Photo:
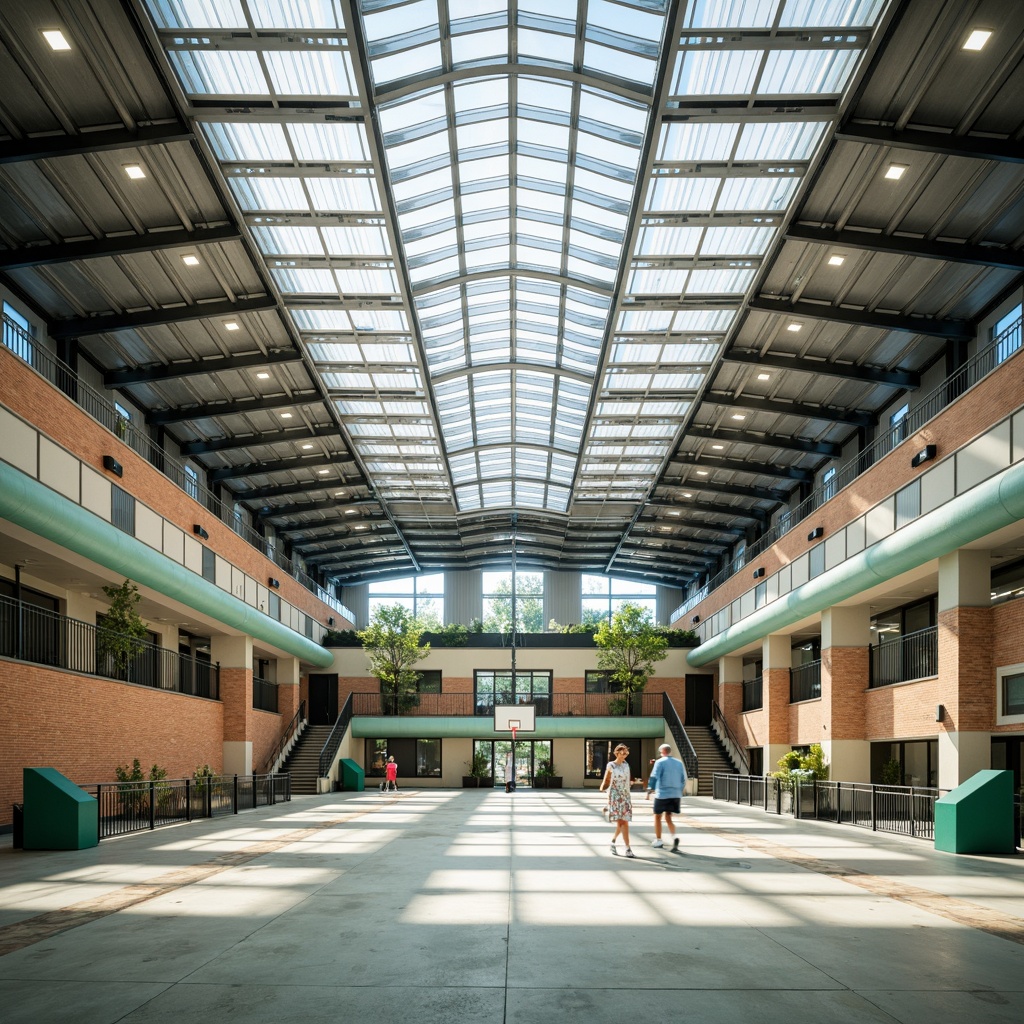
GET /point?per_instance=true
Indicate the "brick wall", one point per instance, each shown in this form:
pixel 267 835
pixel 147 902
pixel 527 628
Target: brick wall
pixel 265 732
pixel 844 681
pixel 84 727
pixel 905 711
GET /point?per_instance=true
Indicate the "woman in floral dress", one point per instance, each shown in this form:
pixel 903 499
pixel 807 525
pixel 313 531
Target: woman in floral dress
pixel 620 805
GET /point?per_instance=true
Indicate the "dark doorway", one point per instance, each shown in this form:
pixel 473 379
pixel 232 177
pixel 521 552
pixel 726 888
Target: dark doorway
pixel 323 699
pixel 700 692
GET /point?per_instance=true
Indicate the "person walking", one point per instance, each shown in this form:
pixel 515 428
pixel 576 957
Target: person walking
pixel 391 771
pixel 620 804
pixel 667 782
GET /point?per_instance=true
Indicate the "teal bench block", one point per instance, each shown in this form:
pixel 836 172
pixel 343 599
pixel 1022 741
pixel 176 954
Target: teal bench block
pixel 977 816
pixel 58 815
pixel 352 776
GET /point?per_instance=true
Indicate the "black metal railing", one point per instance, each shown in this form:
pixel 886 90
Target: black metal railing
pixel 732 746
pixel 330 748
pixel 557 705
pixel 675 726
pixel 753 694
pixel 126 807
pixel 911 656
pixel 264 694
pixel 805 682
pixel 100 408
pixel 288 733
pixel 953 387
pixel 903 810
pixel 43 637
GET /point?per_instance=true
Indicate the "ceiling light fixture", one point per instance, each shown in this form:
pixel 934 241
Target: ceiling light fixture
pixel 263 376
pixel 738 416
pixel 794 327
pixel 286 415
pixel 977 39
pixel 835 260
pixel 307 447
pixel 190 260
pixel 764 376
pixel 687 494
pixel 718 447
pixel 134 171
pixel 702 472
pixel 896 171
pixel 56 39
pixel 231 325
pixel 322 472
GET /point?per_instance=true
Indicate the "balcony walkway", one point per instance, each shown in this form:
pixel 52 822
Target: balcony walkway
pixel 473 907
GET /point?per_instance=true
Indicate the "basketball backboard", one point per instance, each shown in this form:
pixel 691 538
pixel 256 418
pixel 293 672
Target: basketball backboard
pixel 515 718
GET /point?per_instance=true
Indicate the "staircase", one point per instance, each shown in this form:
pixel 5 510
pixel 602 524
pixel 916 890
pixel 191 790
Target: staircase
pixel 303 763
pixel 711 757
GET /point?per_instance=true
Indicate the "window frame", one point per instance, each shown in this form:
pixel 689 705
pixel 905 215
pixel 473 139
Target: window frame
pixel 1003 716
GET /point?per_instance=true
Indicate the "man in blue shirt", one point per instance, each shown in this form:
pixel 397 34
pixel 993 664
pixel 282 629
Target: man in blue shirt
pixel 668 779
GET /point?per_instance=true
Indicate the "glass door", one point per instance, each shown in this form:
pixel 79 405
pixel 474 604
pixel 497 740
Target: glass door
pixel 526 755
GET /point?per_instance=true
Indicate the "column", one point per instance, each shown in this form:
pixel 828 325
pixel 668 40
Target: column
pixel 235 656
pixel 730 700
pixel 563 598
pixel 777 659
pixel 966 671
pixel 845 636
pixel 463 596
pixel 288 681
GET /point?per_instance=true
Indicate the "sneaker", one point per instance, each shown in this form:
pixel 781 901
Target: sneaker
pixel 675 844
pixel 657 844
pixel 613 849
pixel 629 852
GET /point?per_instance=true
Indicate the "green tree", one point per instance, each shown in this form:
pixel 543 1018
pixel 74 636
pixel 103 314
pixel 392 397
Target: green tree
pixel 529 605
pixel 122 631
pixel 629 647
pixel 392 643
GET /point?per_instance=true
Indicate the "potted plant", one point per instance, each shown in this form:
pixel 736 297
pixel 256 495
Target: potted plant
pixel 544 776
pixel 479 771
pixel 121 634
pixel 628 648
pixel 392 643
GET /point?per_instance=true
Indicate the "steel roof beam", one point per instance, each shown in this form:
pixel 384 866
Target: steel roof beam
pixel 283 490
pixel 197 367
pixel 287 436
pixel 80 327
pixel 118 245
pixel 901 245
pixel 280 466
pixel 795 444
pixel 971 147
pixel 948 329
pixel 239 408
pixel 829 414
pixel 300 507
pixel 711 508
pixel 740 466
pixel 49 147
pixel 848 371
pixel 737 490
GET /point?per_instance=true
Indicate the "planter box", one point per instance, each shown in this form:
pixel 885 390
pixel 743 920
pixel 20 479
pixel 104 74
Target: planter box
pixel 539 782
pixel 469 782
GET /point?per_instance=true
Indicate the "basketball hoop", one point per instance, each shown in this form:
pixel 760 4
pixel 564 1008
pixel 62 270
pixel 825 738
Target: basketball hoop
pixel 514 728
pixel 514 724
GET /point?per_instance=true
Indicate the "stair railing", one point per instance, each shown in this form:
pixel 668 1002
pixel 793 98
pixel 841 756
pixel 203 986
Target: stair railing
pixel 675 726
pixel 289 734
pixel 729 741
pixel 334 740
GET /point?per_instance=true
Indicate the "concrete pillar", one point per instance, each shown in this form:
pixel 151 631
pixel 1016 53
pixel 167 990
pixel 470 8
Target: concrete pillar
pixel 463 596
pixel 667 600
pixel 288 682
pixel 966 669
pixel 777 659
pixel 730 700
pixel 563 599
pixel 357 601
pixel 845 635
pixel 235 656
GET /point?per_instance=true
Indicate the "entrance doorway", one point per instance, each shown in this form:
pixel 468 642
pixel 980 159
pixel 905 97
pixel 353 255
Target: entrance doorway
pixel 527 754
pixel 323 699
pixel 700 691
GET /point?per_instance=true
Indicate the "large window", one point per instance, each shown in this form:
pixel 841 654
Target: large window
pixel 421 595
pixel 1007 334
pixel 416 759
pixel 597 754
pixel 498 590
pixel 492 687
pixel 1010 692
pixel 604 595
pixel 17 333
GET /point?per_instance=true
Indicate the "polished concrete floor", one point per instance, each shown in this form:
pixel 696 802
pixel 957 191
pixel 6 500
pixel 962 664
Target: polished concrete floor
pixel 481 908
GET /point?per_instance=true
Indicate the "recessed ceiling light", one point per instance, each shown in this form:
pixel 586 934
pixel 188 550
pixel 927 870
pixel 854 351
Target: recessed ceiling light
pixel 794 327
pixel 718 447
pixel 977 39
pixel 286 415
pixel 56 39
pixel 322 472
pixel 738 416
pixel 764 376
pixel 673 513
pixel 231 325
pixel 350 511
pixel 359 527
pixel 190 260
pixel 687 494
pixel 339 494
pixel 263 376
pixel 895 171
pixel 835 260
pixel 702 472
pixel 306 447
pixel 134 171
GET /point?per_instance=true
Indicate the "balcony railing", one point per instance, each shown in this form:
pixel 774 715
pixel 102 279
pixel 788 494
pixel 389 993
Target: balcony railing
pixel 753 694
pixel 975 369
pixel 805 682
pixel 557 705
pixel 38 635
pixel 911 656
pixel 99 407
pixel 264 694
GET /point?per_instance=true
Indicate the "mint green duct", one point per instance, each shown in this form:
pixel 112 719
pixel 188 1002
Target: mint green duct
pixel 469 727
pixel 990 506
pixel 45 512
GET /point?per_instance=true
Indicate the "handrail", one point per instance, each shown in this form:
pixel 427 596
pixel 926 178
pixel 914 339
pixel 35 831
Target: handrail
pixel 17 340
pixel 330 748
pixel 289 733
pixel 979 366
pixel 736 752
pixel 675 726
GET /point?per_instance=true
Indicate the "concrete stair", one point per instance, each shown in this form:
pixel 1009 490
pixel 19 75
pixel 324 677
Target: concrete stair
pixel 303 763
pixel 711 757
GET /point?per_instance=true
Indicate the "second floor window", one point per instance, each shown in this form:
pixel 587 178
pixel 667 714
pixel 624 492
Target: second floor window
pixel 191 483
pixel 1006 334
pixel 17 333
pixel 828 484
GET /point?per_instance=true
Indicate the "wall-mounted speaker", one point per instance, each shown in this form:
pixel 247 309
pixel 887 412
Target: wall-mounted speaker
pixel 200 532
pixel 111 465
pixel 818 531
pixel 274 583
pixel 758 573
pixel 926 454
pixel 695 619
